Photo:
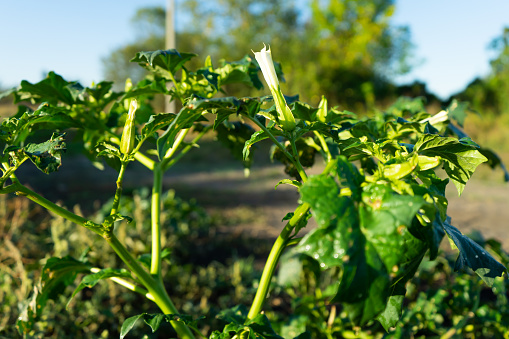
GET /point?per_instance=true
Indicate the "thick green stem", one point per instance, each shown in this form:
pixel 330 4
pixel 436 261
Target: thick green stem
pixel 280 244
pixel 293 158
pixel 186 149
pixel 154 287
pixel 127 284
pixel 325 148
pixel 144 160
pixel 19 189
pixel 171 152
pixel 157 187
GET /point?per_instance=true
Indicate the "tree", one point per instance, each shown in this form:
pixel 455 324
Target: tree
pixel 489 94
pixel 345 49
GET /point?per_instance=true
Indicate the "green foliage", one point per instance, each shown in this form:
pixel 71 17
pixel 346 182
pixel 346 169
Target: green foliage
pixel 379 205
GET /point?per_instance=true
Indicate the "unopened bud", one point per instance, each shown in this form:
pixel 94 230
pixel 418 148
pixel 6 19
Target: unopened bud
pixel 129 133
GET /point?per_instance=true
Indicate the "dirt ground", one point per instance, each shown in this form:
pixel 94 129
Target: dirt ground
pixel 483 206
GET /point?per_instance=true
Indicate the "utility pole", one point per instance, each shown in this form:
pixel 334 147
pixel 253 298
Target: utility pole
pixel 170 43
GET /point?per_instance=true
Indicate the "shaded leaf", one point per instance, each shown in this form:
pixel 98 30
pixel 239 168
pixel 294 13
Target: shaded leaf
pixel 57 274
pixel 472 255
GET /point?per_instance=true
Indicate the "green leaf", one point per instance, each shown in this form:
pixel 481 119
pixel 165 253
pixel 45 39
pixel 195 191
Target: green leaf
pixel 53 89
pixel 47 155
pixel 16 129
pixel 155 321
pixel 169 60
pixel 185 118
pixel 146 87
pixel 368 238
pixel 472 255
pixel 92 279
pixel 128 325
pixel 157 122
pixel 236 317
pixel 392 313
pixel 57 274
pixel 460 158
pixel 255 137
pixel 407 105
pixel 494 161
pixel 289 182
pixel 242 71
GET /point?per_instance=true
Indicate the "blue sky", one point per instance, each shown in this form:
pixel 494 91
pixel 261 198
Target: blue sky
pixel 71 37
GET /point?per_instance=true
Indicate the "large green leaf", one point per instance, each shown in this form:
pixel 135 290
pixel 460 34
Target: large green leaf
pixel 461 157
pixel 53 89
pixel 472 255
pixel 242 71
pixel 366 234
pixel 14 130
pixel 185 119
pixel 57 274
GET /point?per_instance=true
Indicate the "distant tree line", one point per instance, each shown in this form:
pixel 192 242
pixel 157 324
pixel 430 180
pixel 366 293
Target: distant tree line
pixel 347 50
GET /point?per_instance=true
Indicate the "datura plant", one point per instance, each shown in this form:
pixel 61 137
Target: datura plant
pixel 379 202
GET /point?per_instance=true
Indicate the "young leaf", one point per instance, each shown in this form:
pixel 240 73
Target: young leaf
pixel 460 158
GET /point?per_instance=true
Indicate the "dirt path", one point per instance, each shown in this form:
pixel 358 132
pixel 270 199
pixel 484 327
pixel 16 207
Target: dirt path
pixel 252 205
pixel 258 208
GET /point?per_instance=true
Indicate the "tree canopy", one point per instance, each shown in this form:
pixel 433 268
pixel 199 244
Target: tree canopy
pixel 345 49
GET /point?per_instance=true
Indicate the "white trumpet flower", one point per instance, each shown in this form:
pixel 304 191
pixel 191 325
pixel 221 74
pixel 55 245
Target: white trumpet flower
pixel 285 115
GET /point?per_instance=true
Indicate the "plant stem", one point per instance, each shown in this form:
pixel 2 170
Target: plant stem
pixel 186 149
pixel 293 158
pixel 325 148
pixel 154 287
pixel 19 189
pixel 127 284
pixel 272 261
pixel 297 163
pixel 157 187
pixel 272 137
pixel 118 192
pixel 144 160
pixel 178 140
